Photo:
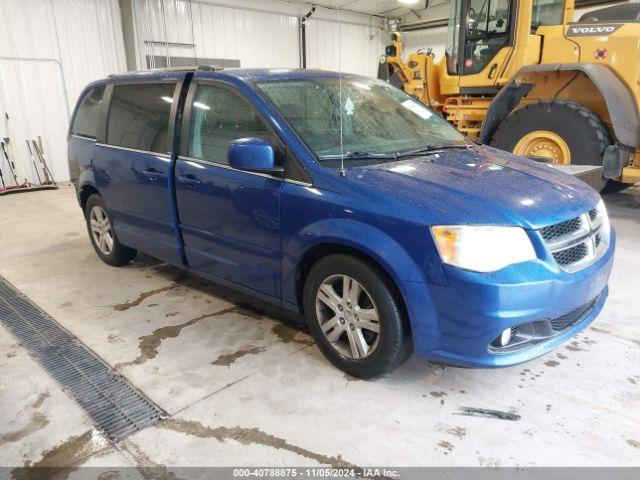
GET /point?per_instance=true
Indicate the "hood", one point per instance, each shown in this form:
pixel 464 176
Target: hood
pixel 480 185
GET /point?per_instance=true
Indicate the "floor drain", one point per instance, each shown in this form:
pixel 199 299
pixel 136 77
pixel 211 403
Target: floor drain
pixel 115 406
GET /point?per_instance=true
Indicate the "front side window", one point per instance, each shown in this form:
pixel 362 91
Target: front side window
pixel 370 116
pixel 547 12
pixel 87 116
pixel 488 31
pixel 139 116
pixel 218 117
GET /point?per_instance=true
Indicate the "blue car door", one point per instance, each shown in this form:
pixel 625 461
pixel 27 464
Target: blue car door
pixel 132 166
pixel 229 219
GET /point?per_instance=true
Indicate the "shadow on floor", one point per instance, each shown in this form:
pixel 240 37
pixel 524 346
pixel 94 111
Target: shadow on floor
pixel 210 288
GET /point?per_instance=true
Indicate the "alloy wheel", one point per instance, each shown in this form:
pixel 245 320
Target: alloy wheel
pixel 101 230
pixel 348 316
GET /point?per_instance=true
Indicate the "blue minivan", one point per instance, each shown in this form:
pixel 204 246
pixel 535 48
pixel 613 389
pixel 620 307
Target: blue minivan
pixel 344 199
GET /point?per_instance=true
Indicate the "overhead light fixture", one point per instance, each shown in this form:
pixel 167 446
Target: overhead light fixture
pixel 409 2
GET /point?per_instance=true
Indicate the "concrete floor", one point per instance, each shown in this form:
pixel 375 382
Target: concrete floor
pixel 244 387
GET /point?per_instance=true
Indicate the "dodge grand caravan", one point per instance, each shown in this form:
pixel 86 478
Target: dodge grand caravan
pixel 344 199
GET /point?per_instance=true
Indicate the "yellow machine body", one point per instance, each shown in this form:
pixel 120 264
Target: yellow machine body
pixel 555 62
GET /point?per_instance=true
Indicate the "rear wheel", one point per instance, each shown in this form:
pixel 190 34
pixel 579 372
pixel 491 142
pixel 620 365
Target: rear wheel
pixel 102 235
pixel 354 317
pixel 563 131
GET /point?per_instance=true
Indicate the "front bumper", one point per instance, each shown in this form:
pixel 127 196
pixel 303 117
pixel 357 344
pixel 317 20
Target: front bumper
pixel 458 321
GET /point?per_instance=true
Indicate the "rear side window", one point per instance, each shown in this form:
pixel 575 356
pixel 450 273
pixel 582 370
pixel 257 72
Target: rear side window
pixel 87 117
pixel 217 118
pixel 139 116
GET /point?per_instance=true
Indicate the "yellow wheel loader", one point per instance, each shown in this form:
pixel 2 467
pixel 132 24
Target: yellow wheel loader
pixel 522 76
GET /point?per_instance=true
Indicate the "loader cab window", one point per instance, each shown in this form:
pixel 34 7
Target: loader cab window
pixel 487 32
pixel 452 50
pixel 547 12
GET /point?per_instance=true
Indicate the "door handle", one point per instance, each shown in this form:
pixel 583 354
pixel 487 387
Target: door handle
pixel 493 70
pixel 190 180
pixel 153 174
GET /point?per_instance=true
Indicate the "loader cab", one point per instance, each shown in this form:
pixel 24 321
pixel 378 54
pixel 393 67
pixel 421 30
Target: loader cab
pixel 478 31
pixel 482 35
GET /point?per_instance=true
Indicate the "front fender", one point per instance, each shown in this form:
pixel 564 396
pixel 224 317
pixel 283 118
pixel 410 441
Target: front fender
pixel 357 235
pixel 376 244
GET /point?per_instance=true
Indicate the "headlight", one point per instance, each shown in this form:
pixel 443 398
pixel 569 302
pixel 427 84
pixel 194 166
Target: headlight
pixel 482 248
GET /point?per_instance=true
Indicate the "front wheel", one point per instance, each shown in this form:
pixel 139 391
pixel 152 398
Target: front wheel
pixel 355 317
pixel 103 237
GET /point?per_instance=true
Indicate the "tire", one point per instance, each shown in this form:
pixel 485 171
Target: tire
pixel 387 349
pixel 582 130
pixel 118 254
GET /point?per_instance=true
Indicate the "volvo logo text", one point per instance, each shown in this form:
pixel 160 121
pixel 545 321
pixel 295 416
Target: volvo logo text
pixel 591 30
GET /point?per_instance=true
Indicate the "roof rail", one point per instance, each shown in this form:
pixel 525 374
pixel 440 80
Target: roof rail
pixel 205 68
pixel 209 67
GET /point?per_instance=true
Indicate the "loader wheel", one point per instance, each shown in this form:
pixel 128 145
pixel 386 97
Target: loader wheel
pixel 564 131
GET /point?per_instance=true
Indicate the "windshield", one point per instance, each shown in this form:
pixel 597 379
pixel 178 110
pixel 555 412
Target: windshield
pixel 379 122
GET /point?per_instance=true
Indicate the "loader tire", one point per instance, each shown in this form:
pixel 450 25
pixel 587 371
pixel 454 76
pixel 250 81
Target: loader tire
pixel 564 131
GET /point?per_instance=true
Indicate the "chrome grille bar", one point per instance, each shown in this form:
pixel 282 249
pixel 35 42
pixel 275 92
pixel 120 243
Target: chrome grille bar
pixel 577 242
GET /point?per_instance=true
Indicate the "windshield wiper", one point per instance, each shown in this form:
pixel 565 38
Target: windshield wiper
pixel 393 155
pixel 359 156
pixel 431 149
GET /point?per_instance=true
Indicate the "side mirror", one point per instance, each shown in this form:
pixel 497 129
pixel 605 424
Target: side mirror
pixel 252 155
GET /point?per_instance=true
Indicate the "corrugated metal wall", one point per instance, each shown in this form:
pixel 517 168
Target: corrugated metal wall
pixel 49 50
pixel 256 38
pixel 361 46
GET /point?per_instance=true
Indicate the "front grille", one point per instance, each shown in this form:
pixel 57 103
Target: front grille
pixel 571 255
pixel 561 229
pixel 572 318
pixel 577 242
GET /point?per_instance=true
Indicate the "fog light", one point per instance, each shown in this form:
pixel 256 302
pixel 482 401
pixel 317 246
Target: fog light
pixel 505 338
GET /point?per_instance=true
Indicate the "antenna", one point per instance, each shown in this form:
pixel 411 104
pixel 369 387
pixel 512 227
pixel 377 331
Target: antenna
pixel 342 172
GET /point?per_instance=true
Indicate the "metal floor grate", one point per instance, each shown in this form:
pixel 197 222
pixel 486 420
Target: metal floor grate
pixel 115 406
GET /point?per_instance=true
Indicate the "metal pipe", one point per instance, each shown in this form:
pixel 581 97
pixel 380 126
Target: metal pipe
pixel 164 26
pixel 193 35
pixel 172 44
pixel 303 35
pixel 149 33
pixel 62 75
